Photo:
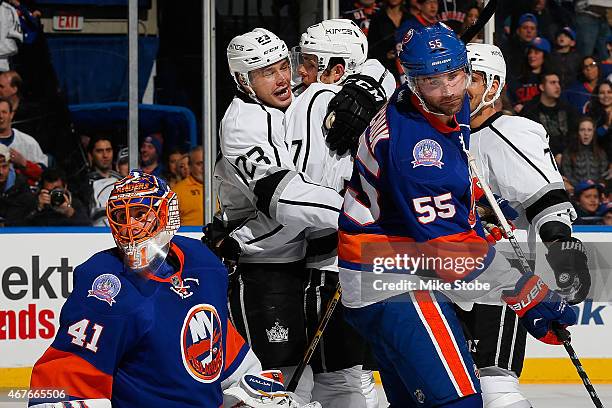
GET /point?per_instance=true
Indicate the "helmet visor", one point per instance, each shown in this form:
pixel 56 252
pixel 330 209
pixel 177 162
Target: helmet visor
pixel 447 83
pixel 305 67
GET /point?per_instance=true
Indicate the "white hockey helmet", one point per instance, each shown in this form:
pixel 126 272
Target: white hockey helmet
pixel 340 38
pixel 253 50
pixel 489 60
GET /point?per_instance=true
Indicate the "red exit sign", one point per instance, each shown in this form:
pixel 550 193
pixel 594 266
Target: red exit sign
pixel 67 22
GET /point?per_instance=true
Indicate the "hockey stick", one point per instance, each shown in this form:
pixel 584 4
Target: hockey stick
pixel 561 333
pixel 331 306
pixel 485 16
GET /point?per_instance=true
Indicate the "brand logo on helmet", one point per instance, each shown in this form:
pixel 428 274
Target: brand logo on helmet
pixel 338 31
pixel 497 53
pixel 271 49
pixel 237 47
pixel 427 153
pixel 105 287
pixel 441 62
pixel 202 343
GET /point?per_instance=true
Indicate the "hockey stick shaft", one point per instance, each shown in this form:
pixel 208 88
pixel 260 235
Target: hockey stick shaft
pixel 561 333
pixel 331 306
pixel 485 16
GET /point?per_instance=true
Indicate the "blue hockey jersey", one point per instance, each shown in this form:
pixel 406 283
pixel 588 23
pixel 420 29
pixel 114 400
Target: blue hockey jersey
pixel 165 341
pixel 411 184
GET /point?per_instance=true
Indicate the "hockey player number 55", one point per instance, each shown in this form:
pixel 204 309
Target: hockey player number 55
pixel 78 331
pixel 441 208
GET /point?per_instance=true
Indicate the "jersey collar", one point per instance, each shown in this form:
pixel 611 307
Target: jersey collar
pixel 488 122
pixel 433 119
pixel 176 278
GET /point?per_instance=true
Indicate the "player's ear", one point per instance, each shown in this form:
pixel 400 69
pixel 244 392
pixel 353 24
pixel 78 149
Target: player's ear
pixel 338 72
pixel 541 87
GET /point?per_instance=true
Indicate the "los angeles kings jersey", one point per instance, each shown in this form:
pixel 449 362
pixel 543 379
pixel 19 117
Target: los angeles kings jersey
pixel 256 181
pixel 515 160
pixel 145 342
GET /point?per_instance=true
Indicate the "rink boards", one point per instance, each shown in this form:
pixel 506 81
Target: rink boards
pixel 36 276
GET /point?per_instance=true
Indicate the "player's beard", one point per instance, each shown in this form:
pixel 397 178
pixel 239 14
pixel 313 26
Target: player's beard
pixel 450 106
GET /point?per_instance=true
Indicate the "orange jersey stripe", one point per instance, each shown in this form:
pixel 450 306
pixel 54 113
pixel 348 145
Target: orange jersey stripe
pixel 361 248
pixel 445 342
pixel 233 344
pixel 67 371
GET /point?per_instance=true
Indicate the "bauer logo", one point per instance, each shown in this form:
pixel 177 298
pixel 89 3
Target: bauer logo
pixel 427 153
pixel 202 343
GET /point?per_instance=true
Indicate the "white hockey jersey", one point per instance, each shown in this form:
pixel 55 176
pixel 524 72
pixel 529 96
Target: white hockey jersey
pixel 515 160
pixel 255 180
pixel 10 34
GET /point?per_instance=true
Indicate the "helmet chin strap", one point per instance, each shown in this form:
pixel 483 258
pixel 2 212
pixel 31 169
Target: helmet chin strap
pixel 484 103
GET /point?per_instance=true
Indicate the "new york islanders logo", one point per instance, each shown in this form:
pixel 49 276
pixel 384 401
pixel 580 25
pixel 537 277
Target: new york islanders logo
pixel 202 343
pixel 427 153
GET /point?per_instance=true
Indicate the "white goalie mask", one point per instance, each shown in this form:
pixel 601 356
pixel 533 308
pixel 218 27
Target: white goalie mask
pixel 335 38
pixel 143 216
pixel 489 60
pixel 253 50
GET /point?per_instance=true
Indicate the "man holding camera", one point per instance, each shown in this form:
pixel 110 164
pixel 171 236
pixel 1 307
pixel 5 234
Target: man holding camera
pixel 56 204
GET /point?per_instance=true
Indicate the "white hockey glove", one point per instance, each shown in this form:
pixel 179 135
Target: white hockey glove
pixel 264 390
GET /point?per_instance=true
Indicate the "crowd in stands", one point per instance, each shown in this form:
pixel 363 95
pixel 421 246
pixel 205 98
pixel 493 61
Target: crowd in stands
pixel 44 179
pixel 559 73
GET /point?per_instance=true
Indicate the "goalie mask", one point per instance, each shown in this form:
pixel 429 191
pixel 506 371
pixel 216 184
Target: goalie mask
pixel 143 215
pixel 335 38
pixel 489 60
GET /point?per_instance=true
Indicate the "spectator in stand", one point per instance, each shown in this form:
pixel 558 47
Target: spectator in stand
pixel 122 166
pixel 10 34
pixel 95 188
pixel 381 34
pixel 565 59
pixel 600 109
pixel 516 47
pixel 550 17
pixel 527 86
pixel 56 204
pixel 26 154
pixel 583 159
pixel 471 16
pixel 592 29
pixel 183 167
pixel 362 13
pixel 150 154
pixel 579 92
pixel 558 117
pixel 587 202
pixel 453 13
pixel 171 173
pixel 191 190
pixel 16 200
pixel 605 212
pixel 606 65
pixel 10 84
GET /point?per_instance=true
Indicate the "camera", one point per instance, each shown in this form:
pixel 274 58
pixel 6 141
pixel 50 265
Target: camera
pixel 57 197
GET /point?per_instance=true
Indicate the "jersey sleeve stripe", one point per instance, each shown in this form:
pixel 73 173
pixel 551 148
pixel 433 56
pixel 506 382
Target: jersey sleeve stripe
pixel 351 246
pixel 270 141
pixel 67 371
pixel 444 341
pixel 234 343
pixel 308 113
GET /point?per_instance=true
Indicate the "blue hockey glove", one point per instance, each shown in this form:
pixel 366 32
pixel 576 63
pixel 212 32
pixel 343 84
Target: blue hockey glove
pixel 540 309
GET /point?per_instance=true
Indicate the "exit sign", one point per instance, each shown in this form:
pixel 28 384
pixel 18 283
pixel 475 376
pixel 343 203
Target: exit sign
pixel 68 22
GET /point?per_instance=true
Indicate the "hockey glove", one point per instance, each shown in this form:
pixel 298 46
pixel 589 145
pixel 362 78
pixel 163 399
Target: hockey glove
pixel 350 111
pixel 568 260
pixel 490 223
pixel 540 309
pixel 263 390
pixel 222 245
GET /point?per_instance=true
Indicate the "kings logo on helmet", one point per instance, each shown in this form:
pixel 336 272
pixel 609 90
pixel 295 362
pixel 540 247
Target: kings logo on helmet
pixel 202 343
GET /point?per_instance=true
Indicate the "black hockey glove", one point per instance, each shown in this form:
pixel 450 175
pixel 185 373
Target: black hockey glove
pixel 350 112
pixel 568 260
pixel 216 238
